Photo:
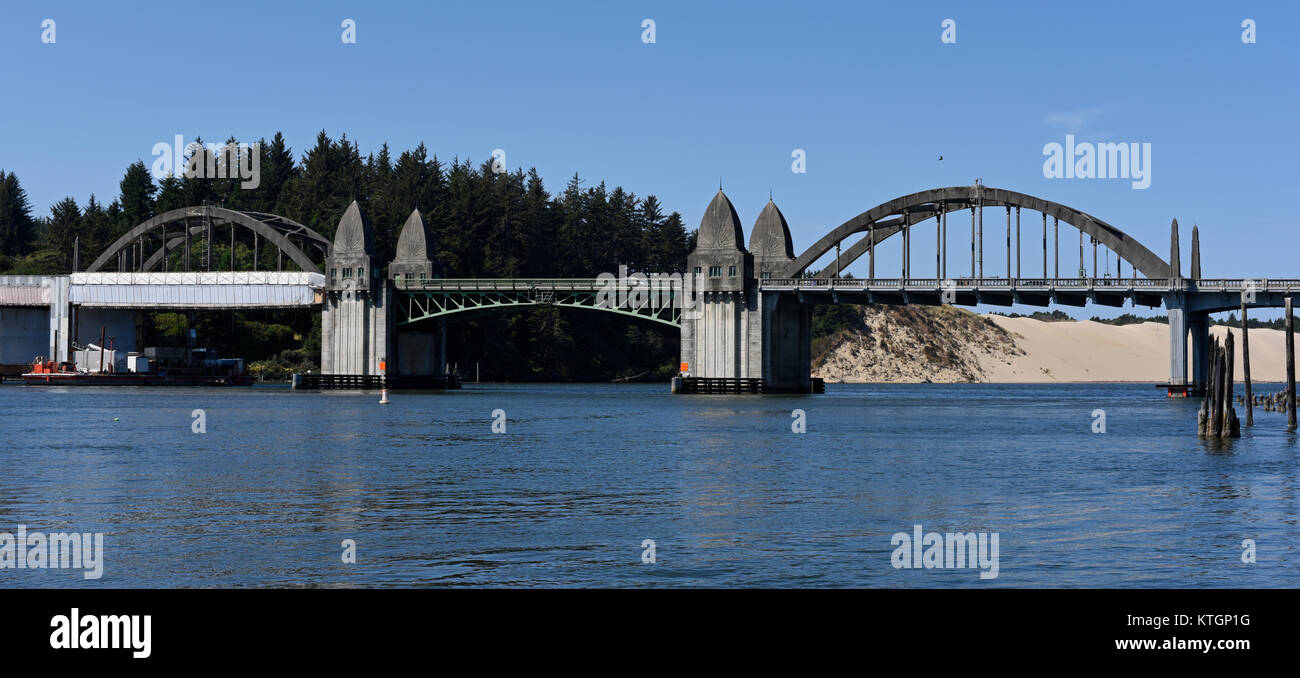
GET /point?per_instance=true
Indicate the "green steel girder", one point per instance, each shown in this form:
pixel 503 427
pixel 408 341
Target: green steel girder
pixel 416 305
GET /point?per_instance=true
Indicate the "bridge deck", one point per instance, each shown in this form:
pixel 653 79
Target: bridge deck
pixel 278 289
pixel 1150 285
pixel 526 284
pixel 257 289
pixel 1206 294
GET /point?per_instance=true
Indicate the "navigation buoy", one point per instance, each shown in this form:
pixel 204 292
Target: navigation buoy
pixel 383 396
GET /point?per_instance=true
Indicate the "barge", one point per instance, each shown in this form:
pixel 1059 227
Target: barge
pixel 95 366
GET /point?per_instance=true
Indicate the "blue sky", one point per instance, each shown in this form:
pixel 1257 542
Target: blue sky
pixel 728 90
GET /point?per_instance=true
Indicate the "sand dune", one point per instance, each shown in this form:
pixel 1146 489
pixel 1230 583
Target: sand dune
pixel 1091 351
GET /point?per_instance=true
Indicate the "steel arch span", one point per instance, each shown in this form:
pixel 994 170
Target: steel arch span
pixel 886 219
pixel 276 229
pixel 419 300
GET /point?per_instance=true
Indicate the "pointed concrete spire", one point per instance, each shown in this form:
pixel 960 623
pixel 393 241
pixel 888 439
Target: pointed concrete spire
pixel 415 252
pixel 771 235
pixel 354 235
pixel 1196 253
pixel 1175 267
pixel 720 228
pixel 414 243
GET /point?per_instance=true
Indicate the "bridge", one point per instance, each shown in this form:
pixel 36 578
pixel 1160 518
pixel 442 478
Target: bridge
pixel 754 321
pixel 743 312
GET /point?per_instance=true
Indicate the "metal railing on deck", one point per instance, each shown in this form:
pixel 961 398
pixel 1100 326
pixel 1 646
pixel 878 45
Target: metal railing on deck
pixel 529 284
pixel 966 283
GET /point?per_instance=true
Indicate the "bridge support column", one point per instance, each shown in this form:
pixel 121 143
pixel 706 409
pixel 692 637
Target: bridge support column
pixel 784 356
pixel 1199 326
pixel 60 319
pixel 1177 341
pixel 420 353
pixel 356 330
pixel 714 343
pixel 357 318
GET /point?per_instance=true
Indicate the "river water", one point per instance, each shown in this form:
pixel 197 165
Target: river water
pixel 583 475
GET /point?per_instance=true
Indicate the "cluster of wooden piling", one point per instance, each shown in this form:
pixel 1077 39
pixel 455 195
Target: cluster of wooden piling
pixel 1217 418
pixel 1269 402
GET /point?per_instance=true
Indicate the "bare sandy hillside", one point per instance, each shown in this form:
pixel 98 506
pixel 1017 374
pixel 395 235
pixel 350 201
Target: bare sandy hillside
pixel 914 344
pixel 943 344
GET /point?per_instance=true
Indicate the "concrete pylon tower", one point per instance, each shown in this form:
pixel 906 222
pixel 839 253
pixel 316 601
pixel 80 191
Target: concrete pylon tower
pixel 356 323
pixel 421 350
pixel 415 256
pixel 1176 307
pixel 770 243
pixel 1175 267
pixel 1196 253
pixel 713 336
pixel 779 328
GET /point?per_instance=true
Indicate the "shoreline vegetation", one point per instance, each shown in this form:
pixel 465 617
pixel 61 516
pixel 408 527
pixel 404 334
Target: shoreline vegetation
pixel 485 223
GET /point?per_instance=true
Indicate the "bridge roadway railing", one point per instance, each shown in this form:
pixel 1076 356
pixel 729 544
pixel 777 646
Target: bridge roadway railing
pixel 1149 285
pixel 527 284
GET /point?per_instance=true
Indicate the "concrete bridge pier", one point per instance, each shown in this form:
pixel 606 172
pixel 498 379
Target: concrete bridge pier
pixel 1176 306
pixel 420 352
pixel 1177 346
pixel 733 330
pixel 356 316
pixel 785 350
pixel 1198 323
pixel 359 314
pixel 786 343
pixel 715 335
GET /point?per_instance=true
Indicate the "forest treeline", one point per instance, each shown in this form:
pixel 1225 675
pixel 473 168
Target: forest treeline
pixel 483 223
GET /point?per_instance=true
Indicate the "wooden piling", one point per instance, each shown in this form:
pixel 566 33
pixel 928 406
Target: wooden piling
pixel 1226 425
pixel 1219 390
pixel 1212 391
pixel 1290 367
pixel 1245 364
pixel 1217 418
pixel 1229 427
